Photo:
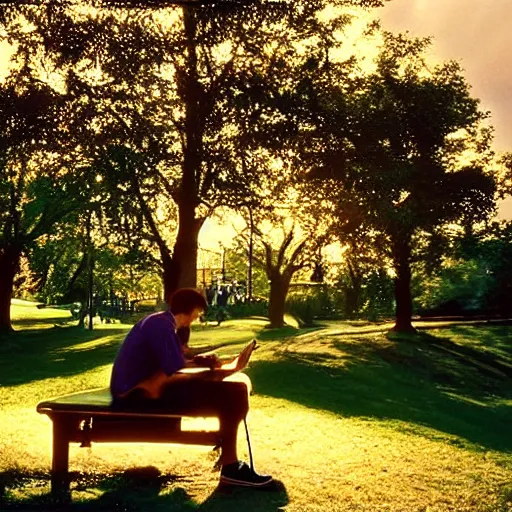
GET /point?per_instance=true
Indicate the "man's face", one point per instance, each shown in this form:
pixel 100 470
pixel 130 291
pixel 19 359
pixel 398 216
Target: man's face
pixel 192 317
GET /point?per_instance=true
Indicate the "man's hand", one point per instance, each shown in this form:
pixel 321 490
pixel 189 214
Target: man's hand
pixel 245 355
pixel 211 361
pixel 240 362
pixel 218 370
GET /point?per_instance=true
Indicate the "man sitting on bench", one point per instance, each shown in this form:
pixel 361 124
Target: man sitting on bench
pixel 149 372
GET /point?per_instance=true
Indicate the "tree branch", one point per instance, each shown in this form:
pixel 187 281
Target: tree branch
pixel 282 250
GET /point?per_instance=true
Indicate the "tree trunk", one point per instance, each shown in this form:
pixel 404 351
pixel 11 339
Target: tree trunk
pixel 185 248
pixel 353 294
pixel 251 251
pixel 90 271
pixel 9 263
pixel 278 291
pixel 170 275
pixel 354 290
pixel 76 274
pixel 403 297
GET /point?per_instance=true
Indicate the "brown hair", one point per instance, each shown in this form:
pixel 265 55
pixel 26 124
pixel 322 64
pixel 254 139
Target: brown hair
pixel 185 300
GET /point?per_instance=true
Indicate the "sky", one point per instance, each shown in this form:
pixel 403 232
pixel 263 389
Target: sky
pixel 477 34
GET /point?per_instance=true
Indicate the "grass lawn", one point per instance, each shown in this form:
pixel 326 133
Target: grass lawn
pixel 346 417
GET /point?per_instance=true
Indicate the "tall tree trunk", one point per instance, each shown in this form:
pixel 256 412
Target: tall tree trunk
pixel 403 297
pixel 170 275
pixel 279 285
pixel 82 266
pixel 353 291
pixel 251 251
pixel 180 269
pixel 9 263
pixel 185 248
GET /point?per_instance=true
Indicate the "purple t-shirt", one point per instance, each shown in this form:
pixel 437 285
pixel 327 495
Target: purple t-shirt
pixel 150 346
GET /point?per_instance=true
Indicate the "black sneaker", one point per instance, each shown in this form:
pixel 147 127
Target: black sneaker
pixel 239 473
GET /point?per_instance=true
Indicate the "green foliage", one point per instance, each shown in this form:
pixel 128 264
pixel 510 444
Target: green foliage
pixel 459 287
pixel 304 309
pixel 477 279
pixel 311 303
pixel 237 264
pixel 216 314
pixel 30 202
pixel 58 266
pixel 220 314
pixel 378 296
pixel 245 310
pixel 402 150
pixel 496 255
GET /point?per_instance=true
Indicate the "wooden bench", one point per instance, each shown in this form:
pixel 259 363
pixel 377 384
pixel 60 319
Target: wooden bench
pixel 89 417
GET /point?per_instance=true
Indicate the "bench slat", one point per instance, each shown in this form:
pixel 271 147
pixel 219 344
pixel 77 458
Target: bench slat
pixel 89 400
pixel 98 402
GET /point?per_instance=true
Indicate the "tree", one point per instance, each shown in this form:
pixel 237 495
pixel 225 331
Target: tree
pixel 486 252
pixel 283 247
pixel 60 263
pixel 363 275
pixel 408 155
pixel 171 89
pixel 37 187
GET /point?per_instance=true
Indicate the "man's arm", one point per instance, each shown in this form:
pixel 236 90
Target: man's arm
pixel 203 361
pixel 190 352
pixel 156 382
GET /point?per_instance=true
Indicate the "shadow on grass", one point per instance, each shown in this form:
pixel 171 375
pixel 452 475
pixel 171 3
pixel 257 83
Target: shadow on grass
pixel 27 356
pixel 36 322
pixel 489 362
pixel 494 338
pixel 409 381
pixel 136 489
pixel 288 331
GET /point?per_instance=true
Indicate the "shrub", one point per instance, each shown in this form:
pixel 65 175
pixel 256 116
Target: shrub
pixel 244 310
pixel 307 303
pixel 216 313
pixel 304 309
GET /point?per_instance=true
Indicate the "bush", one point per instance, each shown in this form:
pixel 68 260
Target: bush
pixel 311 303
pixel 244 310
pixel 304 309
pixel 216 313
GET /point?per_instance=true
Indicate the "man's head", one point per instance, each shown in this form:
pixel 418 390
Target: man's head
pixel 186 305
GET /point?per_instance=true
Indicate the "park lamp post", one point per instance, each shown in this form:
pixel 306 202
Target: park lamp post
pixel 90 269
pixel 223 262
pixel 251 248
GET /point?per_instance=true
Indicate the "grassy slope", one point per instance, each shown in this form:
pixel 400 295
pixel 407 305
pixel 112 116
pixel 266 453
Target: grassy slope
pixel 346 418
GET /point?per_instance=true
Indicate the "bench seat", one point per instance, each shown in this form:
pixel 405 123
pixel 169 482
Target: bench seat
pixel 88 417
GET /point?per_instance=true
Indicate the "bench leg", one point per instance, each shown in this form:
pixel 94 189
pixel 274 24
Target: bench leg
pixel 60 458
